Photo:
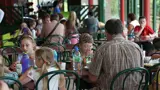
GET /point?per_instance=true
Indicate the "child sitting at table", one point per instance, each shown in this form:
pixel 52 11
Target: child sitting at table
pixel 45 63
pixel 27 46
pixel 24 30
pixel 85 47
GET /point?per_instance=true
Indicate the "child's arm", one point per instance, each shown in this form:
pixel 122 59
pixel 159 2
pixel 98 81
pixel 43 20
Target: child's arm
pixel 62 82
pixel 24 78
pixel 30 32
pixel 13 66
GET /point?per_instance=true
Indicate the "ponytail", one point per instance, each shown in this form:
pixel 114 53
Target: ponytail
pixel 45 79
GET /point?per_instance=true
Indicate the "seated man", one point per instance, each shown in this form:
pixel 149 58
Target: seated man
pixel 48 26
pixel 112 57
pixel 143 35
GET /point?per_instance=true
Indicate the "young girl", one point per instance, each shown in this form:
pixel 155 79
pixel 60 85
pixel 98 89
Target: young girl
pixel 45 63
pixel 28 46
pixel 24 30
pixel 32 26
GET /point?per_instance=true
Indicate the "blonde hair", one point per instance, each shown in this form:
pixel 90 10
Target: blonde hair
pixel 45 54
pixel 72 18
pixel 1 66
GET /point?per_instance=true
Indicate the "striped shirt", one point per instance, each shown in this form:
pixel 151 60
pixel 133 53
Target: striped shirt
pixel 113 57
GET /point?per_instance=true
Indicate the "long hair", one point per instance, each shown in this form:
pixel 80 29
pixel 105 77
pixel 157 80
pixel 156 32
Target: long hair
pixel 72 18
pixel 46 55
pixel 71 23
pixel 1 66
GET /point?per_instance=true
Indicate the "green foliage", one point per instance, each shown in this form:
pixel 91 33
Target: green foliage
pixel 114 7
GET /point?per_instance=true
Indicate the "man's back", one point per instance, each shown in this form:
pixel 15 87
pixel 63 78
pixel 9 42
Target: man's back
pixel 113 57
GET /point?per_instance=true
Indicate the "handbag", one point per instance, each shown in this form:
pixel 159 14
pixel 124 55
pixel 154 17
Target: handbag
pixel 41 41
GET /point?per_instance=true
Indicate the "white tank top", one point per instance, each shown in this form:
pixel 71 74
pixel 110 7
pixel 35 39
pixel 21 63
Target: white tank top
pixel 134 23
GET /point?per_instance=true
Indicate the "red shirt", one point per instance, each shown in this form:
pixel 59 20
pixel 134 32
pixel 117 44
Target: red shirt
pixel 159 32
pixel 147 30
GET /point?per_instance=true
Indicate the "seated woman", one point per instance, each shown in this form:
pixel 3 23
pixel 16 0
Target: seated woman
pixel 71 28
pixel 45 63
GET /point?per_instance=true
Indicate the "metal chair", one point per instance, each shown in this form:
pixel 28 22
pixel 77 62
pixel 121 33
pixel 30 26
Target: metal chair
pixel 13 79
pixel 154 68
pixel 65 56
pixel 127 72
pixel 66 73
pixel 9 54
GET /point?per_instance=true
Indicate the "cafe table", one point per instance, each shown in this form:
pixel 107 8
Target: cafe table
pixel 153 66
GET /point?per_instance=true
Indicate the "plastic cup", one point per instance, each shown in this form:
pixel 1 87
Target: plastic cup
pixel 63 66
pixel 19 68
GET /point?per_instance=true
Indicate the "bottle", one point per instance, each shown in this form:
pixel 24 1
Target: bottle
pixel 77 60
pixel 25 61
pixel 55 55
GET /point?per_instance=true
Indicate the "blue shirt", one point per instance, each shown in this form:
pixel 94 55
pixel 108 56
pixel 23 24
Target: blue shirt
pixel 56 10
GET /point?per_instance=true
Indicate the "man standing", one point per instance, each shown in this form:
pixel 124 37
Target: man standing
pixel 112 57
pixel 91 23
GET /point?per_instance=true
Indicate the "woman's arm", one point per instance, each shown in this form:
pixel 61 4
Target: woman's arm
pixel 130 28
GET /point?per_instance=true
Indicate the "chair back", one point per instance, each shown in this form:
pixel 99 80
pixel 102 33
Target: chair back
pixel 12 79
pixel 154 68
pixel 9 54
pixel 67 75
pixel 55 38
pixel 127 72
pixel 65 56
